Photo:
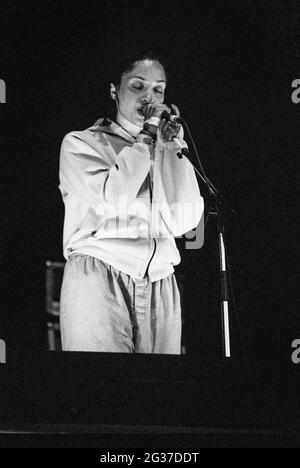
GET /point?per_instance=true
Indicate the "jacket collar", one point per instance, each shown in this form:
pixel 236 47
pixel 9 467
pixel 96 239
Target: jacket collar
pixel 106 125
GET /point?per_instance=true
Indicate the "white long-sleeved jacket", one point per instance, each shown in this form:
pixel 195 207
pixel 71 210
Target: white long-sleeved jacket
pixel 125 201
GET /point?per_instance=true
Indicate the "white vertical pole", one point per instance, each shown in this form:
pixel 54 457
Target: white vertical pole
pixel 224 303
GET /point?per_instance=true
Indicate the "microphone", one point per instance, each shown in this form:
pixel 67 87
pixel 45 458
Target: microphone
pixel 170 117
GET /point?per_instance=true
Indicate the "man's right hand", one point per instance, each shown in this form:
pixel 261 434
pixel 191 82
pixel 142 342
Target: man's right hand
pixel 155 111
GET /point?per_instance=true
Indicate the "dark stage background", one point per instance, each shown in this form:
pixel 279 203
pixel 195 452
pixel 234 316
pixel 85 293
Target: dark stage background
pixel 232 65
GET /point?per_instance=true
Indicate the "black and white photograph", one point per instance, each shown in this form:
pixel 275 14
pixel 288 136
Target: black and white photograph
pixel 149 241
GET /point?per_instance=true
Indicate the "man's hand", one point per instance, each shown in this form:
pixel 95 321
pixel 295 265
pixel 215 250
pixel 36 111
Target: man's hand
pixel 155 110
pixel 168 129
pixel 152 113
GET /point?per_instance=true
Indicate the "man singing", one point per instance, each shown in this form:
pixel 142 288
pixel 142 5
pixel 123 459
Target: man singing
pixel 127 195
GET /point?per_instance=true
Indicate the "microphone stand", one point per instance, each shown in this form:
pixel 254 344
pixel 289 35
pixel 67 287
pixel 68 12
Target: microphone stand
pixel 217 208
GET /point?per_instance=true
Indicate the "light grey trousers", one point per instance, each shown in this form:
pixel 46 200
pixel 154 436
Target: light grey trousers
pixel 103 309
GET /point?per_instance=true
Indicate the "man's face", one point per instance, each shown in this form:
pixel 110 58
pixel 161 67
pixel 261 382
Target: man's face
pixel 144 84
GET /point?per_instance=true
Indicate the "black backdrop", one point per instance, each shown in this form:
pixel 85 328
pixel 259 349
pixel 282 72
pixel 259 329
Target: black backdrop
pixel 232 66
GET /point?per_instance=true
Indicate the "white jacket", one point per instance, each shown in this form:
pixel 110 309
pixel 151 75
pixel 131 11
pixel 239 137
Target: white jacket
pixel 125 201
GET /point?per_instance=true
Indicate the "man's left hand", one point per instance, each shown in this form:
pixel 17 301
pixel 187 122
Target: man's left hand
pixel 169 130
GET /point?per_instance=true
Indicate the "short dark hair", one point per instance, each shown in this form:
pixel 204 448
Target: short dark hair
pixel 124 60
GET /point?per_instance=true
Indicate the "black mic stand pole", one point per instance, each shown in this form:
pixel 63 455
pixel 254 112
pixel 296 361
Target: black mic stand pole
pixel 216 209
